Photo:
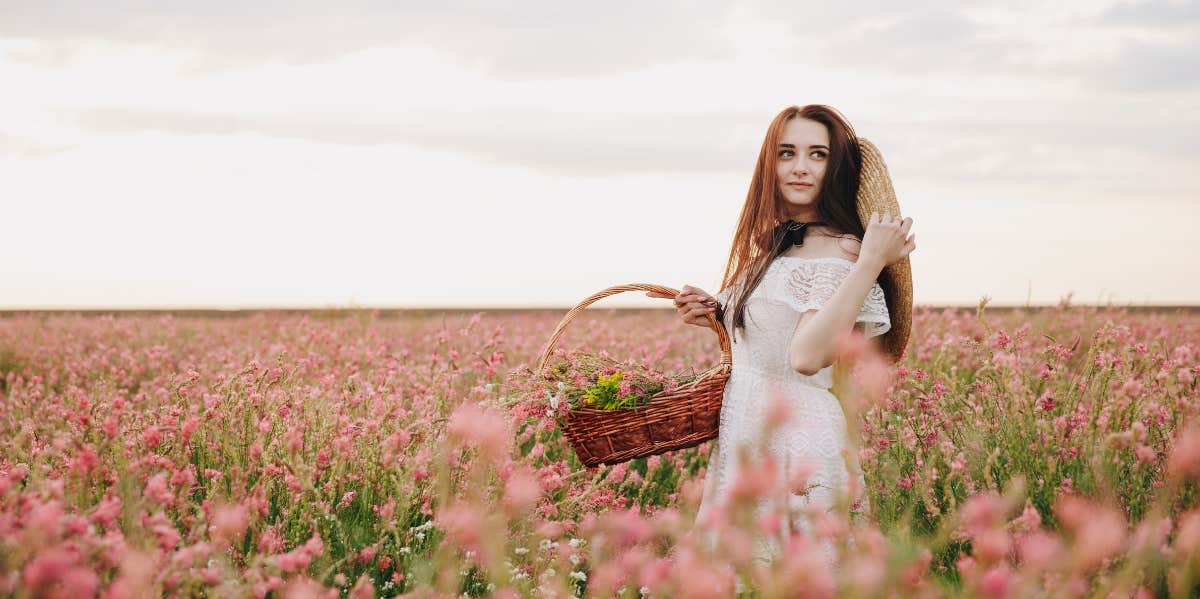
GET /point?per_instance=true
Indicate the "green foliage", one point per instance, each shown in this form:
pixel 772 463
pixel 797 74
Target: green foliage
pixel 606 394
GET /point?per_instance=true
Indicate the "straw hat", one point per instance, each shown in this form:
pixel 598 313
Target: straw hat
pixel 875 194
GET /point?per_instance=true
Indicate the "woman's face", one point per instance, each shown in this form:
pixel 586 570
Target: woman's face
pixel 802 154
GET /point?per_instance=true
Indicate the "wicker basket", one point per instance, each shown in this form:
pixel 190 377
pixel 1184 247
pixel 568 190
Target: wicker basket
pixel 684 417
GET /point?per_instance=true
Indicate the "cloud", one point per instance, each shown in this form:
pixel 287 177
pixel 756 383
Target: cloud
pixel 1156 13
pixel 1032 148
pixel 542 39
pixel 22 148
pixel 559 143
pixel 1146 67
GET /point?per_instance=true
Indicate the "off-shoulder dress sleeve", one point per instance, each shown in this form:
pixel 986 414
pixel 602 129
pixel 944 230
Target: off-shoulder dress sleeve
pixel 808 285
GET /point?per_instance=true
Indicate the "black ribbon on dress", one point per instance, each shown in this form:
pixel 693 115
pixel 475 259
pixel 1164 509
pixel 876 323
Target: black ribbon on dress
pixel 792 232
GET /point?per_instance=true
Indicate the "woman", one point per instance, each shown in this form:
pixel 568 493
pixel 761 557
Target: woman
pixel 807 265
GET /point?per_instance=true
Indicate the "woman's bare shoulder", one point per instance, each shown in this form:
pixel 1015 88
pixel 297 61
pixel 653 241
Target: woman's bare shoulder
pixel 846 247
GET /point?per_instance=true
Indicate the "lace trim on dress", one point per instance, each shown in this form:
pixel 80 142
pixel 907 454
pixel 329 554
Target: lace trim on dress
pixel 810 282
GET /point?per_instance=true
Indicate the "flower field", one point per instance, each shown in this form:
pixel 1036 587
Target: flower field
pixel 1051 452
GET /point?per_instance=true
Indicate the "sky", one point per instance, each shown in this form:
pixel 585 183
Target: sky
pixel 224 154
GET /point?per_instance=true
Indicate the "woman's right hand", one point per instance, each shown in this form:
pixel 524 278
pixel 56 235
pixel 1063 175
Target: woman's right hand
pixel 693 304
pixel 886 240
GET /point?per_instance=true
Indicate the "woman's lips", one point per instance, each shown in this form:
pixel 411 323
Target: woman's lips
pixel 800 184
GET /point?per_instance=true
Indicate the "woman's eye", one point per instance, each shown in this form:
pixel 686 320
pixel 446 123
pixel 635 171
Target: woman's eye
pixel 818 153
pixel 784 152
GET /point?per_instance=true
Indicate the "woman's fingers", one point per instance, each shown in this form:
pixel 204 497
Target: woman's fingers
pixel 698 298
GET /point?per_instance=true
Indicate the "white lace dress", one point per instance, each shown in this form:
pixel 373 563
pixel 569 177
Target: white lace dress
pixel 816 431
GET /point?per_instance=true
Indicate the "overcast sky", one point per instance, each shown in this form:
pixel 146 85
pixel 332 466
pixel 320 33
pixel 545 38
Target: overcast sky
pixel 415 154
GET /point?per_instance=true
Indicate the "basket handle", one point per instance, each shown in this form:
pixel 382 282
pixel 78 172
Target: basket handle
pixel 718 326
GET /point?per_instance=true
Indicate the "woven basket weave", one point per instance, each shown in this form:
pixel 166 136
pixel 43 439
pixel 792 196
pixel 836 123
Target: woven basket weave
pixel 684 417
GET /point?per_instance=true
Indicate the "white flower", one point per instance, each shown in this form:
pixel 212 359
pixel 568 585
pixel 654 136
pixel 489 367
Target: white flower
pixel 521 550
pixel 580 576
pixel 420 536
pixel 561 385
pixel 554 401
pixel 576 542
pixel 575 559
pixel 405 550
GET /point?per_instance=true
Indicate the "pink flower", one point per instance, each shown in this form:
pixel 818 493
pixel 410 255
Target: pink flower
pixel 229 523
pixel 85 460
pixel 156 489
pixel 1184 458
pixel 168 536
pixel 46 568
pixel 982 512
pixel 485 429
pixel 463 526
pixel 522 491
pixel 106 511
pixel 629 527
pixel 151 437
pixel 754 480
pixel 695 579
pixel 1029 519
pixel 997 583
pixel 188 427
pixel 1099 531
pixel 363 588
pixel 368 553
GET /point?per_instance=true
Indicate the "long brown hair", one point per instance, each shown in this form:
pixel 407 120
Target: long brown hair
pixel 758 240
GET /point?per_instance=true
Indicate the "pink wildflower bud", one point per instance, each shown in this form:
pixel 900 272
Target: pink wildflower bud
pixel 1188 538
pixel 85 460
pixel 982 512
pixel 363 588
pixel 630 527
pixel 151 437
pixel 991 546
pixel 486 429
pixel 156 489
pixel 367 553
pixel 549 530
pixel 188 427
pixel 522 491
pixel 107 511
pixel 866 576
pixel 1099 531
pixel 463 525
pixel 1184 460
pixel 229 523
pixel 211 576
pixel 997 583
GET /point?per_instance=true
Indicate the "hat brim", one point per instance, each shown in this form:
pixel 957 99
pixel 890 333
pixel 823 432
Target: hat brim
pixel 876 194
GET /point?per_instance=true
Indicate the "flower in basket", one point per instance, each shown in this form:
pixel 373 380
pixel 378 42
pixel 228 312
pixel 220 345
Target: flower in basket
pixel 576 380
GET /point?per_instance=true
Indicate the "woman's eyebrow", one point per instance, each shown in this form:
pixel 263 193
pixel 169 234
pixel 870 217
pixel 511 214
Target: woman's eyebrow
pixel 792 146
